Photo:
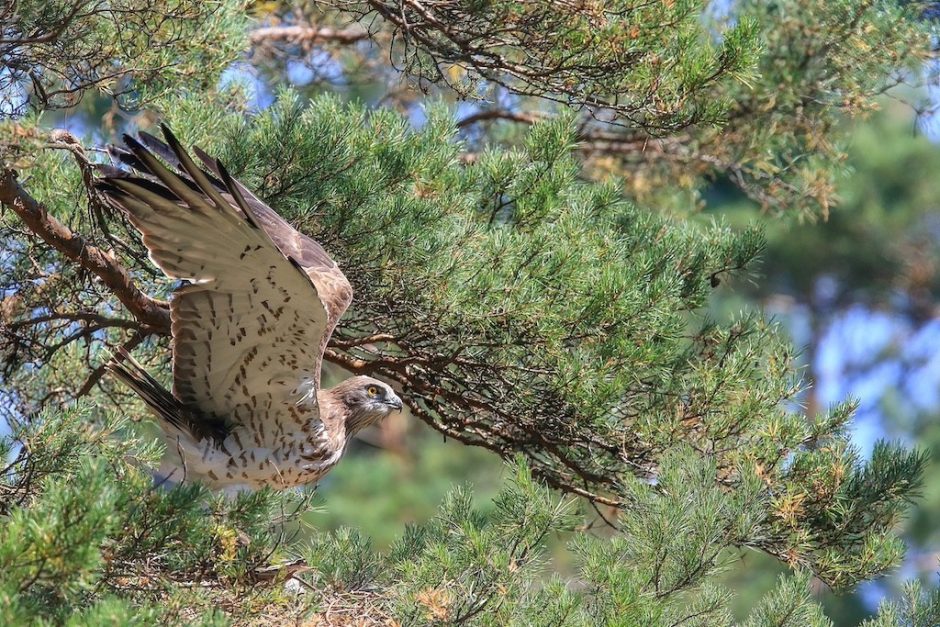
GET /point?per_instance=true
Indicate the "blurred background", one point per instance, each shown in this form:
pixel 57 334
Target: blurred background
pixel 857 292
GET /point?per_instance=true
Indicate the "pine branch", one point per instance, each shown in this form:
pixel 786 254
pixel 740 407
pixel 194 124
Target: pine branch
pixel 152 314
pixel 306 35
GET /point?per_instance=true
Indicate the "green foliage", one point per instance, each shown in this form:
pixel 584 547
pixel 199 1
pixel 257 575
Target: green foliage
pixel 876 255
pixel 510 281
pixel 458 566
pixel 858 502
pixel 783 139
pixel 55 51
pixel 86 537
pixel 661 568
pixel 822 60
pixel 877 240
pixel 789 605
pixel 672 95
pixel 524 309
pixel 402 487
pixel 83 526
pixel 524 292
pixel 917 607
pixel 646 64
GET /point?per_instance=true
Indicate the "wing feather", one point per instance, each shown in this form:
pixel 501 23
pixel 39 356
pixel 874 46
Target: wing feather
pixel 335 290
pixel 254 321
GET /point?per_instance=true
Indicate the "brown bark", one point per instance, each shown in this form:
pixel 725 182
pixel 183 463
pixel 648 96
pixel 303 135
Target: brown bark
pixel 306 35
pixel 153 314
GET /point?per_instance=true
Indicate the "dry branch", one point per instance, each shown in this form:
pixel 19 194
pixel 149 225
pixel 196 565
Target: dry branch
pixel 306 35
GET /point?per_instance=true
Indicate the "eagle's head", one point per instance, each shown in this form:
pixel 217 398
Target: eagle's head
pixel 366 401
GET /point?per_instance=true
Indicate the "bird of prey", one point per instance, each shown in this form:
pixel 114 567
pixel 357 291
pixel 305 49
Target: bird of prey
pixel 249 325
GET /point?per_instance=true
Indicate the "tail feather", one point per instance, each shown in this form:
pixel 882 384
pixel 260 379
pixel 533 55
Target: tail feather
pixel 167 407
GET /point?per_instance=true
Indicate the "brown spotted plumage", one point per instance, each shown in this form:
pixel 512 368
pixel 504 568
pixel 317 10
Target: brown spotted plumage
pixel 249 326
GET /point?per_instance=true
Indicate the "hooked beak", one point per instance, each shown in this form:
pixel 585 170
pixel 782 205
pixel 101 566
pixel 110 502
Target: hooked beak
pixel 394 402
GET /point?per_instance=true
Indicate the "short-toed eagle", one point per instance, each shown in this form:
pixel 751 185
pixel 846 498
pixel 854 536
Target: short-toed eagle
pixel 249 325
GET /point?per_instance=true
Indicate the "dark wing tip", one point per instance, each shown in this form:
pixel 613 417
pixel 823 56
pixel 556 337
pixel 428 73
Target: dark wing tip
pixel 107 187
pixel 211 163
pixel 132 142
pixel 223 172
pixel 127 183
pixel 232 187
pixel 104 170
pixel 159 147
pixel 170 137
pixel 204 156
pixel 306 276
pixel 295 263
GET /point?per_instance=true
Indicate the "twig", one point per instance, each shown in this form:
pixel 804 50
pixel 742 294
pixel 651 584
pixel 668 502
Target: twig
pixel 98 372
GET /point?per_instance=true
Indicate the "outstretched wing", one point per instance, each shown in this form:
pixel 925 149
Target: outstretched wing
pixel 331 283
pixel 252 324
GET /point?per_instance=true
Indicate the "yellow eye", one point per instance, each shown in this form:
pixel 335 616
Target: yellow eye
pixel 373 391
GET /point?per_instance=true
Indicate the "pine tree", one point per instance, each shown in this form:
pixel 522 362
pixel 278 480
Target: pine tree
pixel 520 304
